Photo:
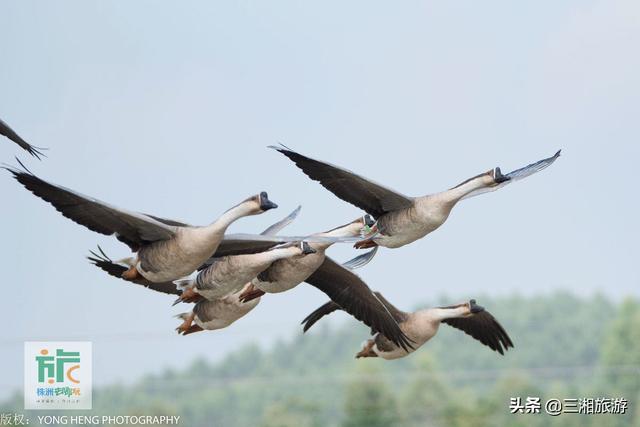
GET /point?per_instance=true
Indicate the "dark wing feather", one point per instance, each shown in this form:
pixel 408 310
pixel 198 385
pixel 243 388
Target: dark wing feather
pixel 484 328
pixel 238 244
pixel 350 187
pixel 104 263
pixel 170 222
pixel 132 228
pixel 398 315
pixel 354 296
pixel 318 314
pixel 13 136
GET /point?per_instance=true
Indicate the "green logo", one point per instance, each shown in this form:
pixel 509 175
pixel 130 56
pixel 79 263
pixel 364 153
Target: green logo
pixel 53 368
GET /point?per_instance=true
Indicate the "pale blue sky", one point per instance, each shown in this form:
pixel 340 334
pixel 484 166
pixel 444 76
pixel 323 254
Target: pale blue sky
pixel 168 107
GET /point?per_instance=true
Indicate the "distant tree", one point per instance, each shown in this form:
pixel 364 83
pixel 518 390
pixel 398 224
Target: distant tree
pixel 423 401
pixel 495 406
pixel 368 401
pixel 620 361
pixel 302 381
pixel 292 413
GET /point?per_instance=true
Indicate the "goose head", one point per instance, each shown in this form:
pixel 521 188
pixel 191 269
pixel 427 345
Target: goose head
pixel 475 308
pixel 465 309
pixel 259 203
pixel 306 249
pixel 497 176
pixel 469 308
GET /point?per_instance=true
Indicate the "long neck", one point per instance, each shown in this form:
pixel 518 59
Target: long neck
pixel 348 230
pixel 456 193
pixel 440 314
pixel 281 253
pixel 225 220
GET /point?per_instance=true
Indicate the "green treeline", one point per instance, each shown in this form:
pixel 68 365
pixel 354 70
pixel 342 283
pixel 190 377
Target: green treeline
pixel 565 347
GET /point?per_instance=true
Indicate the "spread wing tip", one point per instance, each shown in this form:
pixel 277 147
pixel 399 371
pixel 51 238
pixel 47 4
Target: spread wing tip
pixel 36 152
pixel 280 147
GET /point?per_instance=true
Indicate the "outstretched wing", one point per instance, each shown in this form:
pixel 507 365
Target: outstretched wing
pixel 361 260
pixel 398 315
pixel 518 174
pixel 103 262
pixel 331 306
pixel 132 228
pixel 13 136
pixel 353 295
pixel 274 229
pixel 484 328
pixel 348 186
pixel 319 313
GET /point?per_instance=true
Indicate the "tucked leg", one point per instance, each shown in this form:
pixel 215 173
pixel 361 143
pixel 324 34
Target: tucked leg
pixel 186 324
pixel 364 244
pixel 250 293
pixel 131 274
pixel 367 350
pixel 189 295
pixel 193 329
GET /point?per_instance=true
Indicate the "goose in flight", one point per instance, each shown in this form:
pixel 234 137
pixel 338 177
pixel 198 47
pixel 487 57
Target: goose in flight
pixel 207 314
pixel 116 268
pixel 400 219
pixel 13 136
pixel 224 281
pixel 166 250
pixel 422 325
pixel 216 314
pixel 227 275
pixel 335 280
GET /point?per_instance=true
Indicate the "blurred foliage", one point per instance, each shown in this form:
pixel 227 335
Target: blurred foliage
pixel 565 347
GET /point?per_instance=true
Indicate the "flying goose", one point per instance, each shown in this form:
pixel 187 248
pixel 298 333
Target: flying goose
pixel 166 250
pixel 402 219
pixel 13 136
pixel 223 282
pixel 206 314
pixel 116 269
pixel 222 306
pixel 216 314
pixel 225 275
pixel 422 325
pixel 337 281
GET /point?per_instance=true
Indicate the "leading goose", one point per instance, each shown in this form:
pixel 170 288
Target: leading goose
pixel 402 219
pixel 13 136
pixel 422 325
pixel 166 250
pixel 335 280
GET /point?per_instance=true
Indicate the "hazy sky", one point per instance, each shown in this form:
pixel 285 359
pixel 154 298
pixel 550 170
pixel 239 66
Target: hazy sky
pixel 167 108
